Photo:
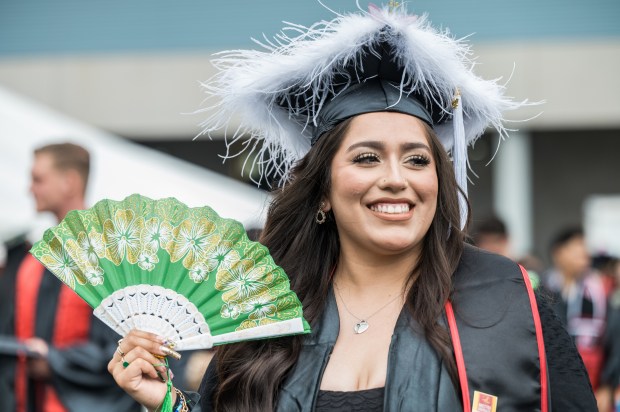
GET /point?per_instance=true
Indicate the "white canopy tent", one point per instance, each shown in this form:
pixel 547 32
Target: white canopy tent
pixel 118 169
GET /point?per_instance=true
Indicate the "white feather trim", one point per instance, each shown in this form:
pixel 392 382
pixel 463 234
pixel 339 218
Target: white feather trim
pixel 250 84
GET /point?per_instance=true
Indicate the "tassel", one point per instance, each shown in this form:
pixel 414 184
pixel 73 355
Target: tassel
pixel 166 404
pixel 459 155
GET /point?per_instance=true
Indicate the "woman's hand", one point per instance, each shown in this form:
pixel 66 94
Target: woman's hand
pixel 138 371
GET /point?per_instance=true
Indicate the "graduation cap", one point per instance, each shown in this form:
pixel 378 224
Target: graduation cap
pixel 308 79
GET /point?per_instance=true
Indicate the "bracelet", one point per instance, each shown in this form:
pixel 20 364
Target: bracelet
pixel 181 403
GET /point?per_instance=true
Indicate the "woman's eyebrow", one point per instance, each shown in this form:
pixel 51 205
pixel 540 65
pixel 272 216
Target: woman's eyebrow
pixel 412 146
pixel 372 144
pixel 377 145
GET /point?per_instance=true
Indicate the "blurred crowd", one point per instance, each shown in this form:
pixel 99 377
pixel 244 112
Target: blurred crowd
pixel 584 291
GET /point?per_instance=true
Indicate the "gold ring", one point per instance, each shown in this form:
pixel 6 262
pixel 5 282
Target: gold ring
pixel 118 348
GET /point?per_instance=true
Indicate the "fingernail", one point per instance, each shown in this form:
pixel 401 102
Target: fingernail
pixel 166 342
pixel 168 351
pixel 170 344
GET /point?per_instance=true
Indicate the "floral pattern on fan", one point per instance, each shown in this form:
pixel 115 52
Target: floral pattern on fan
pixel 131 238
pixel 192 252
pixel 58 260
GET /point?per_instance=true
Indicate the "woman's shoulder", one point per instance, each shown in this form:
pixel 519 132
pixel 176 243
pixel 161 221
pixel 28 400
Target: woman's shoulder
pixel 480 267
pixel 482 259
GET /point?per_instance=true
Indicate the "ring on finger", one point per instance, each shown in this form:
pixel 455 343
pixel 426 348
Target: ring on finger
pixel 120 352
pixel 125 363
pixel 118 348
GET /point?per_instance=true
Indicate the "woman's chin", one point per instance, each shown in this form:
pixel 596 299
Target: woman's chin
pixel 396 246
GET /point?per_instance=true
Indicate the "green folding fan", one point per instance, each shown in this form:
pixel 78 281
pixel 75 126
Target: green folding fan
pixel 183 273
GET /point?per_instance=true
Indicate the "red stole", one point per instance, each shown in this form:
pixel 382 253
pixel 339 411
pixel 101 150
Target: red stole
pixel 71 326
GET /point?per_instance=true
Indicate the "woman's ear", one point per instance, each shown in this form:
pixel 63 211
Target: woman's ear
pixel 326 206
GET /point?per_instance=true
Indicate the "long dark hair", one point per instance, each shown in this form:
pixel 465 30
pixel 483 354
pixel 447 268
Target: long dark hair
pixel 250 373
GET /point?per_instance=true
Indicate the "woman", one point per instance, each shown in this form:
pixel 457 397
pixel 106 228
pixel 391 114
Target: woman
pixel 369 226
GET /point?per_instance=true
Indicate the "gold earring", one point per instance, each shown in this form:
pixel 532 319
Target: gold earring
pixel 320 217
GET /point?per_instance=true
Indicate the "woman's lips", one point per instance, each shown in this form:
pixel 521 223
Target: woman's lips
pixel 391 208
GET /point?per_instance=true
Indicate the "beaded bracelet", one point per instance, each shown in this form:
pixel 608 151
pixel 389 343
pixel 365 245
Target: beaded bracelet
pixel 181 403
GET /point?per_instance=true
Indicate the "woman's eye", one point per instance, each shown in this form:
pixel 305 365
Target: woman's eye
pixel 418 160
pixel 366 158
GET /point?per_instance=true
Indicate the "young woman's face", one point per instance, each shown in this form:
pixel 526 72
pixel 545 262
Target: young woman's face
pixel 384 184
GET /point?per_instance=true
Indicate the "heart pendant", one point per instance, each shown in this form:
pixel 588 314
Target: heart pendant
pixel 361 327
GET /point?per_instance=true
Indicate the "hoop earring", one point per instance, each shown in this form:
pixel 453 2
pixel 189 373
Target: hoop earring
pixel 320 217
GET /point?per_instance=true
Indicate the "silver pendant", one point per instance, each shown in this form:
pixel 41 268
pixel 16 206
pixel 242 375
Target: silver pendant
pixel 361 327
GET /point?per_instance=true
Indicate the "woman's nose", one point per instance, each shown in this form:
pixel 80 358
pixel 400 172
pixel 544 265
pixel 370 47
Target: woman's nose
pixel 393 178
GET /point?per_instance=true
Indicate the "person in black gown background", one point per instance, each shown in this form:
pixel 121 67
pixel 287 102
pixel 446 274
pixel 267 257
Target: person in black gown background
pixel 65 347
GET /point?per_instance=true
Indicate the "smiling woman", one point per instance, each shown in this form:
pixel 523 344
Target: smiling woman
pixel 357 117
pixel 383 186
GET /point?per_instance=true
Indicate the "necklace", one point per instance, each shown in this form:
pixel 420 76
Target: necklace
pixel 362 326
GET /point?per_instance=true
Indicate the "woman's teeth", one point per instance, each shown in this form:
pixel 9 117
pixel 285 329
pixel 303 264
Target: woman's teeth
pixel 390 208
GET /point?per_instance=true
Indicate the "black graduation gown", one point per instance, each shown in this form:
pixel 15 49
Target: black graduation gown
pixel 79 373
pixel 420 368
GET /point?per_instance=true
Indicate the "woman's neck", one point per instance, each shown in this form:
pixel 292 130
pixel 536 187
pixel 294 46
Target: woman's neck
pixel 371 274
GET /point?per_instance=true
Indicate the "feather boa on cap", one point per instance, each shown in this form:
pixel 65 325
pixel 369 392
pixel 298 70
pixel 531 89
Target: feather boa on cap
pixel 258 86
